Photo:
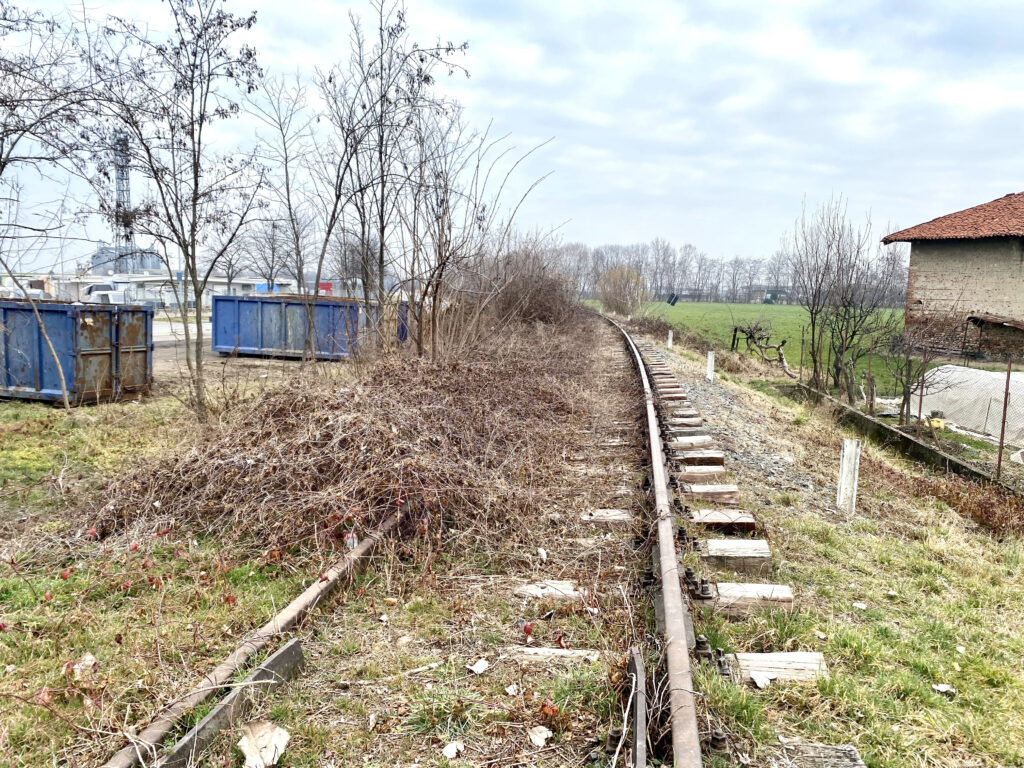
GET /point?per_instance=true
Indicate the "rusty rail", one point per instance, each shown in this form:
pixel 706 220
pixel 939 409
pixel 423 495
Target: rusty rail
pixel 146 747
pixel 682 705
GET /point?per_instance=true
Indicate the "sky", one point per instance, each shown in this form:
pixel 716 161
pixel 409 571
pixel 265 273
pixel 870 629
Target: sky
pixel 712 122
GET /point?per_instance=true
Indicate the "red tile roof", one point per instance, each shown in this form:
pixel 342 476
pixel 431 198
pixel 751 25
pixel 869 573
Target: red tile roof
pixel 1000 218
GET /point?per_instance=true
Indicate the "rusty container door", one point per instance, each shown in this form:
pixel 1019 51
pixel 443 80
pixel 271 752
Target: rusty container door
pixel 134 340
pixel 94 353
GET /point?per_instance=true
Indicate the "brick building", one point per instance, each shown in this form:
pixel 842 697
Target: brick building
pixel 965 290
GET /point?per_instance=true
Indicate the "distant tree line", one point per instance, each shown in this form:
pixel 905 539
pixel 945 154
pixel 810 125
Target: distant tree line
pixel 689 273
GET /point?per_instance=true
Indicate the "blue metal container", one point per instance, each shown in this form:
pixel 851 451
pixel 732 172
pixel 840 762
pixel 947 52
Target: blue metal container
pixel 105 351
pixel 276 326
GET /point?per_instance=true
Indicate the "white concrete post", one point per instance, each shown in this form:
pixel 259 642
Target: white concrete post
pixel 669 345
pixel 849 468
pixel 710 375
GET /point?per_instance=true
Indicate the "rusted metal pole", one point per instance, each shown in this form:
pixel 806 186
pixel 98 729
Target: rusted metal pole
pixel 1002 428
pixel 146 745
pixel 682 706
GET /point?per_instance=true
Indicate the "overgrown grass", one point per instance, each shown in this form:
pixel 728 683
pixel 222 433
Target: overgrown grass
pixel 944 604
pixel 151 613
pixel 45 454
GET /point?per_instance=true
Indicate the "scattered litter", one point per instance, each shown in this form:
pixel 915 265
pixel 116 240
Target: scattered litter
pixel 512 690
pixel 892 593
pixel 479 667
pixel 861 606
pixel 373 721
pixel 539 735
pixel 383 618
pixel 453 749
pixel 762 679
pixel 821 635
pixel 944 688
pixel 543 553
pixel 961 649
pixel 84 667
pixel 262 743
pixel 424 668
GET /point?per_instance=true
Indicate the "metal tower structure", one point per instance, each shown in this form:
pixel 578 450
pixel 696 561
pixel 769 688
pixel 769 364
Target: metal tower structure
pixel 124 237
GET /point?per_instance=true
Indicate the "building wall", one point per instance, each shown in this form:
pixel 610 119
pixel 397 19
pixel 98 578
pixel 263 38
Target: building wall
pixel 951 279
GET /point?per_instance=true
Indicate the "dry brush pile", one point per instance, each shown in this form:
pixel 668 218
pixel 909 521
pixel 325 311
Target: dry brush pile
pixel 461 442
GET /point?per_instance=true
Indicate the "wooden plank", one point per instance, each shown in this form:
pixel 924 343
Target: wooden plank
pixel 676 432
pixel 735 600
pixel 821 756
pixel 683 413
pixel 689 443
pixel 613 518
pixel 787 667
pixel 713 494
pixel 551 589
pixel 702 457
pixel 526 654
pixel 694 421
pixel 730 520
pixel 701 474
pixel 749 556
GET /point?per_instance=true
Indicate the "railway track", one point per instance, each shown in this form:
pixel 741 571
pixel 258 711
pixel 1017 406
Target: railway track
pixel 699 536
pixel 696 505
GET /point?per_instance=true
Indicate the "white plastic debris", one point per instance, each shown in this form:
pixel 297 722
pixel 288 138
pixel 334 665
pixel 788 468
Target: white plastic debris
pixel 539 735
pixel 861 606
pixel 84 667
pixel 479 667
pixel 944 688
pixel 262 743
pixel 543 554
pixel 453 749
pixel 762 679
pixel 512 690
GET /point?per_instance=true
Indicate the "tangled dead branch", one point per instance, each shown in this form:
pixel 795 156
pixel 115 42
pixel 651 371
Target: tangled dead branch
pixel 757 336
pixel 466 442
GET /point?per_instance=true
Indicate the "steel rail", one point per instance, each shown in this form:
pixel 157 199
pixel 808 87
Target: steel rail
pixel 144 749
pixel 682 703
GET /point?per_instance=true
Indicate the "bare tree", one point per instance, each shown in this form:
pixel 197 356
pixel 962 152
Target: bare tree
pixel 168 96
pixel 264 243
pixel 813 254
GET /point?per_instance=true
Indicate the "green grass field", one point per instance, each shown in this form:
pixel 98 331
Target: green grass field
pixel 713 324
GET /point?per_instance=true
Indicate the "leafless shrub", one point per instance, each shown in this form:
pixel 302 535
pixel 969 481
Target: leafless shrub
pixel 622 290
